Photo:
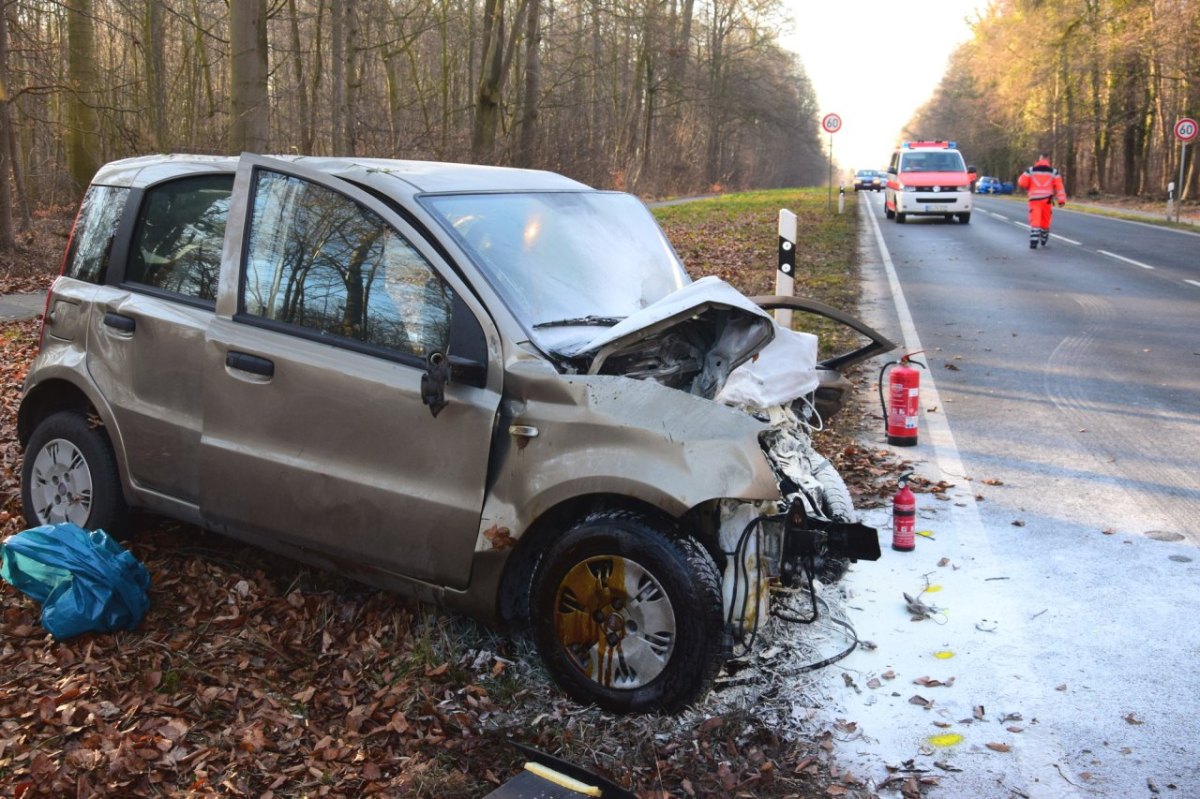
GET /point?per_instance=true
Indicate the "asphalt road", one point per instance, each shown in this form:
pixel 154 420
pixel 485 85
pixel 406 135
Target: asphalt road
pixel 1062 401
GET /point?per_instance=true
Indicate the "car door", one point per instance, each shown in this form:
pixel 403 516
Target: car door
pixel 148 326
pixel 316 434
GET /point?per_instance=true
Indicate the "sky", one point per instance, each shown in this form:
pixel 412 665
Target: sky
pixel 874 63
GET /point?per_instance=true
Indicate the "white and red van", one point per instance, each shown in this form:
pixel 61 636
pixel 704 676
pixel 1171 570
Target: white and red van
pixel 928 178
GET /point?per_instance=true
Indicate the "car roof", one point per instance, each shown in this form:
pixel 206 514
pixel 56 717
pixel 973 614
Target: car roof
pixel 422 176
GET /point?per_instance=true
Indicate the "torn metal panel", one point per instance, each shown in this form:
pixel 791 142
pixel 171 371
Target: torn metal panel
pixel 604 434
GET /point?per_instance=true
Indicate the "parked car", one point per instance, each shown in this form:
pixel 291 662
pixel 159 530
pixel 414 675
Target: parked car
pixel 992 185
pixel 868 180
pixel 492 388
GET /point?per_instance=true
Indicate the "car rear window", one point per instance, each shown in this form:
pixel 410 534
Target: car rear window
pixel 91 241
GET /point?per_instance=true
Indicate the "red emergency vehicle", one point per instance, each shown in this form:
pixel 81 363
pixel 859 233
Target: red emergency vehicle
pixel 928 178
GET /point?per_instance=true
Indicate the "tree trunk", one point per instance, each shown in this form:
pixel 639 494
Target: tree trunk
pixel 491 78
pixel 250 129
pixel 298 75
pixel 344 76
pixel 7 242
pixel 156 98
pixel 533 82
pixel 83 136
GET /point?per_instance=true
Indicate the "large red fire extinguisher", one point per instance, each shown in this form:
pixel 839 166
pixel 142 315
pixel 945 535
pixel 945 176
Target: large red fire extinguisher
pixel 904 517
pixel 903 405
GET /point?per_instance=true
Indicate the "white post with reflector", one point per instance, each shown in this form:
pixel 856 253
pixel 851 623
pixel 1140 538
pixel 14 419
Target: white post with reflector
pixel 785 278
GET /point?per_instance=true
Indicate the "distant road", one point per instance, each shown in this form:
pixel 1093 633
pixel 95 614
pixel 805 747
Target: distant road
pixel 21 306
pixel 1062 406
pixel 1075 367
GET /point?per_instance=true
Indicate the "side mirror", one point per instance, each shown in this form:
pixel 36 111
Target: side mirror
pixel 433 382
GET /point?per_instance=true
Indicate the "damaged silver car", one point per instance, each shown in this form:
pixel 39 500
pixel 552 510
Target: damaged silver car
pixel 494 389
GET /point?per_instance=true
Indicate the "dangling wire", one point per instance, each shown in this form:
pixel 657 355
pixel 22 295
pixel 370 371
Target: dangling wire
pixel 741 582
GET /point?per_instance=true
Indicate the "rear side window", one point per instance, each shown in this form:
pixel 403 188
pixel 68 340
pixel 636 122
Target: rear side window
pixel 96 226
pixel 320 261
pixel 180 231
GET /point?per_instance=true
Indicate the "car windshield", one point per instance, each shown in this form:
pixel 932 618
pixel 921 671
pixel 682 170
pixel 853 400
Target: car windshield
pixel 565 262
pixel 948 161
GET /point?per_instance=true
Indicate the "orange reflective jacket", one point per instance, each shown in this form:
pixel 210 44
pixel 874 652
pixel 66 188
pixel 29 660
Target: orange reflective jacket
pixel 1042 182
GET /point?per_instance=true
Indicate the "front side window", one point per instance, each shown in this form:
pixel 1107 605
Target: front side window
pixel 319 260
pixel 179 236
pixel 91 241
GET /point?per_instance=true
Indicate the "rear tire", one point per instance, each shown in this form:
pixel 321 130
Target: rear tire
pixel 628 617
pixel 70 475
pixel 901 218
pixel 964 218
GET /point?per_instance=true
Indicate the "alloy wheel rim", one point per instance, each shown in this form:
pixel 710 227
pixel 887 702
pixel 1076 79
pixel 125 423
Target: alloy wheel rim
pixel 615 622
pixel 61 484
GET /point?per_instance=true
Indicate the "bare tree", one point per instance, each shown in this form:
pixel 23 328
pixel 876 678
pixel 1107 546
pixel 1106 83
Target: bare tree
pixel 250 127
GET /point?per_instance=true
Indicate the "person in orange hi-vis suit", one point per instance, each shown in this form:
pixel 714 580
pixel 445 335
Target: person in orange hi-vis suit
pixel 1044 186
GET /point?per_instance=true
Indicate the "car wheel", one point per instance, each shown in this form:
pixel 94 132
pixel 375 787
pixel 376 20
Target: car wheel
pixel 70 475
pixel 901 218
pixel 628 617
pixel 964 219
pixel 888 212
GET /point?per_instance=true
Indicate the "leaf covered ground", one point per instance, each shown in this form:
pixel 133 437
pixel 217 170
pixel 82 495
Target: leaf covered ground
pixel 254 676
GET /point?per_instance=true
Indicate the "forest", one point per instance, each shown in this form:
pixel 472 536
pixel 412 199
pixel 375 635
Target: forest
pixel 656 97
pixel 650 96
pixel 1097 84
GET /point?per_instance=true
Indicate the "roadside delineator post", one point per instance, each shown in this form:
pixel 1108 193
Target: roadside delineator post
pixel 785 278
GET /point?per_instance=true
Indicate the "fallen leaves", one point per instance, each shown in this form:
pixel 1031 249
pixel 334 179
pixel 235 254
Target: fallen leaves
pixel 252 676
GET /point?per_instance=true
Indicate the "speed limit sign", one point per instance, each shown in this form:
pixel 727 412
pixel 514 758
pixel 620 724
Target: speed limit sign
pixel 1186 129
pixel 832 123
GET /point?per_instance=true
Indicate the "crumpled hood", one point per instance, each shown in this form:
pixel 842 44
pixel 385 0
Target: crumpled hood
pixel 711 340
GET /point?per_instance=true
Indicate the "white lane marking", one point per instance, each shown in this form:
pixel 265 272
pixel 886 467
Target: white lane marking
pixel 970 533
pixel 1064 238
pixel 1126 260
pixel 1193 282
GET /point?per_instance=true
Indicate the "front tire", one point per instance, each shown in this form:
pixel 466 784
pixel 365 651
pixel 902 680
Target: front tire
pixel 70 475
pixel 964 219
pixel 627 616
pixel 901 218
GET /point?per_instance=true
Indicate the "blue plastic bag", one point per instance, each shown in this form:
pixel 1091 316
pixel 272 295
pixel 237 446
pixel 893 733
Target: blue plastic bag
pixel 85 581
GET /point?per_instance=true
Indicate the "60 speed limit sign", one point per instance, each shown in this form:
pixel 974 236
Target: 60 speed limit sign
pixel 1186 130
pixel 832 123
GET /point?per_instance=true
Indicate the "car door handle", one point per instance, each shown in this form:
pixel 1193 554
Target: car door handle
pixel 118 321
pixel 245 362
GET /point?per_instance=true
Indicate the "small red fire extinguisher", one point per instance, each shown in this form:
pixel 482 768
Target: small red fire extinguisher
pixel 901 410
pixel 904 517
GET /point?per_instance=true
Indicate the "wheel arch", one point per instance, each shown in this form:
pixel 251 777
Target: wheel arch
pixel 50 397
pixel 512 598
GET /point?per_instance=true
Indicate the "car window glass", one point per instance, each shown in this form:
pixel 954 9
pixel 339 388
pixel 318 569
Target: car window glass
pixel 99 214
pixel 179 236
pixel 319 260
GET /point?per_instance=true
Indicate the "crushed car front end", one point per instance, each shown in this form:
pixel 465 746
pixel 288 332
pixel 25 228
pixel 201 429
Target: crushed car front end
pixel 652 473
